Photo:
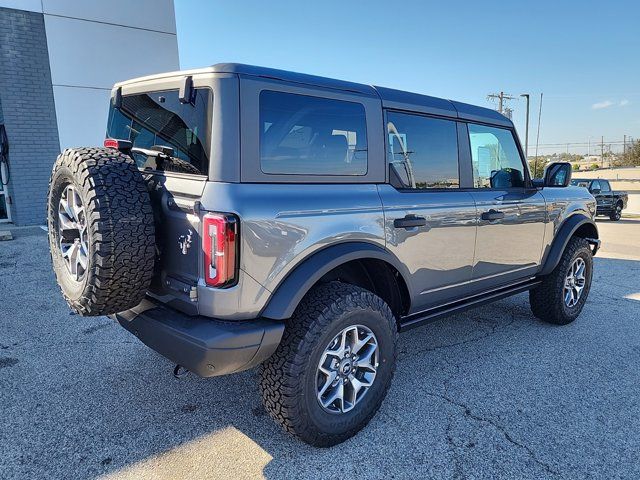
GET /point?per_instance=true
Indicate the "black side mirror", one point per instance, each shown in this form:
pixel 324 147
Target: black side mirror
pixel 595 191
pixel 557 174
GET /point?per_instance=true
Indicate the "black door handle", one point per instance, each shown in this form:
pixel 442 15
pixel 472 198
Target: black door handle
pixel 492 215
pixel 409 221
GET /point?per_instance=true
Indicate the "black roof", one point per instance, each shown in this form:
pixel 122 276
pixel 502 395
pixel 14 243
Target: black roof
pixel 390 98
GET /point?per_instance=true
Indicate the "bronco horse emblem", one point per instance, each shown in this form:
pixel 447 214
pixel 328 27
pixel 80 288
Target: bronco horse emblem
pixel 184 242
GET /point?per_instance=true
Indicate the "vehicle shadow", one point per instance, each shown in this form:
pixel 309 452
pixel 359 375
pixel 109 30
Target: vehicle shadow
pixel 83 398
pixel 622 221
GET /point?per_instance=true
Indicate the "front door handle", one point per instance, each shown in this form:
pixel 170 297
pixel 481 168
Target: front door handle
pixel 492 215
pixel 410 221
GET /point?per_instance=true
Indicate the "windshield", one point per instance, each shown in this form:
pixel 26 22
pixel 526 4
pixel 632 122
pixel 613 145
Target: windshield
pixel 580 183
pixel 159 118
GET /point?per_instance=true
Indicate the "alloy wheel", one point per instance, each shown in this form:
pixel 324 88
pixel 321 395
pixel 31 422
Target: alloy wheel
pixel 347 369
pixel 72 231
pixel 574 282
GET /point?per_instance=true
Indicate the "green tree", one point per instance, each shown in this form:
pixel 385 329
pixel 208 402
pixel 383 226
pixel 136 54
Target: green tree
pixel 536 166
pixel 576 167
pixel 594 166
pixel 632 156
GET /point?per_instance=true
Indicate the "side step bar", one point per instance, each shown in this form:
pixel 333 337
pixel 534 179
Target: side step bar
pixel 427 316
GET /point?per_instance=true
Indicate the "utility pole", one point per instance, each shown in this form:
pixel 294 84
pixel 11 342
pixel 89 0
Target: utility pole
pixel 501 99
pixel 624 146
pixel 602 152
pixel 526 128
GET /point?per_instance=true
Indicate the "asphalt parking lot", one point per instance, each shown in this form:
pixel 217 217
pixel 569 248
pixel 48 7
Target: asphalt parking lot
pixel 491 393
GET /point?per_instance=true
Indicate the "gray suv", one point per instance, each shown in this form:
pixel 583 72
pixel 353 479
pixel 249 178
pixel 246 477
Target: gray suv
pixel 240 216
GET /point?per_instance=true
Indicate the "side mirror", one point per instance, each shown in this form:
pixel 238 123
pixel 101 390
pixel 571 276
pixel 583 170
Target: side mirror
pixel 557 174
pixel 595 191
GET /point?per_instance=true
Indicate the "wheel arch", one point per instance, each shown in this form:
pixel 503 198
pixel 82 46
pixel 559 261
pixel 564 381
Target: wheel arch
pixel 576 225
pixel 336 262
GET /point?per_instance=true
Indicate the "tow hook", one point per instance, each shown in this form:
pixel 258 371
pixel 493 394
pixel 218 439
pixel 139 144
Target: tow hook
pixel 180 372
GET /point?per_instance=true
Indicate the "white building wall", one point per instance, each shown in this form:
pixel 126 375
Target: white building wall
pixel 92 45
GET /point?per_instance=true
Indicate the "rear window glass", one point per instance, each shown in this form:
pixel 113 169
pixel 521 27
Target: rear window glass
pixel 160 119
pixel 303 135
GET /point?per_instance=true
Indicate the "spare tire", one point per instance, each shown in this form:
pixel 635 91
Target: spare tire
pixel 101 230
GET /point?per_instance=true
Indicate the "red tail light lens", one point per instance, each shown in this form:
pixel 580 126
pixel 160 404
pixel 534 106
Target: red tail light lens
pixel 220 245
pixel 117 144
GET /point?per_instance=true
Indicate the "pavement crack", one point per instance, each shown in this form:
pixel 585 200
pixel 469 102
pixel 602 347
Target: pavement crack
pixel 468 413
pixel 495 328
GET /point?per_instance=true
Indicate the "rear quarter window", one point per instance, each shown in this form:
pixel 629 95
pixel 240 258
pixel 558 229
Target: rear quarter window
pixel 305 135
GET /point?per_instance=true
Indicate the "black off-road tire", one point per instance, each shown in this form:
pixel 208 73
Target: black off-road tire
pixel 547 300
pixel 119 230
pixel 616 213
pixel 288 377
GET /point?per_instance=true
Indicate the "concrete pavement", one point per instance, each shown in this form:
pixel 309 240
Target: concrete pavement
pixel 491 393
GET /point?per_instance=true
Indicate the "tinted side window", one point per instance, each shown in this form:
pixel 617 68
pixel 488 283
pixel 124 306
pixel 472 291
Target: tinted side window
pixel 604 185
pixel 423 151
pixel 595 185
pixel 159 118
pixel 495 156
pixel 304 135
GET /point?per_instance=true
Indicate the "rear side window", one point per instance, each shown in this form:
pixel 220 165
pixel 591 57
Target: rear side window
pixel 159 118
pixel 304 135
pixel 495 156
pixel 422 151
pixel 604 185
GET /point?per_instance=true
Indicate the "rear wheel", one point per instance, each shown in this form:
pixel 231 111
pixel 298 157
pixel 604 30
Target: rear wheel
pixel 563 293
pixel 616 213
pixel 334 365
pixel 101 230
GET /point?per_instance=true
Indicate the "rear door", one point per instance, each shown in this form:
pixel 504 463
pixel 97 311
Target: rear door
pixel 430 221
pixel 511 214
pixel 176 179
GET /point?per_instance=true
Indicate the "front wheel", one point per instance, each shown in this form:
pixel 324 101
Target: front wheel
pixel 334 365
pixel 616 213
pixel 562 294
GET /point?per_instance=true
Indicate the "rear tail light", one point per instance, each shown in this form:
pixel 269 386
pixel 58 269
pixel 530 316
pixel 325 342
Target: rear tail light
pixel 117 144
pixel 220 245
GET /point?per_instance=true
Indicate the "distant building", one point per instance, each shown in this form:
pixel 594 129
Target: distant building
pixel 58 61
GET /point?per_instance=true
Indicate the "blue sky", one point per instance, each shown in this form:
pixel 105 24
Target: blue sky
pixel 582 55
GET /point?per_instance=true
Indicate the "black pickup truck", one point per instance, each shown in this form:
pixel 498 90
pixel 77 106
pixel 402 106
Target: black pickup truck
pixel 609 202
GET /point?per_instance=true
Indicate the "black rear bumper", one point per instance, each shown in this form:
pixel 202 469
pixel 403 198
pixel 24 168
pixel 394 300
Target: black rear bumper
pixel 203 345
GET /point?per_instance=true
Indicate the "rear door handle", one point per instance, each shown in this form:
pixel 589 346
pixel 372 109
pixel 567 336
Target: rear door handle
pixel 492 215
pixel 410 221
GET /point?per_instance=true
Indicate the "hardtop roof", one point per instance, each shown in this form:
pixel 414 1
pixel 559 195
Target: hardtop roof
pixel 391 98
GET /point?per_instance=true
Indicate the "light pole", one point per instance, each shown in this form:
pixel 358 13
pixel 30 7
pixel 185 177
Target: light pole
pixel 526 128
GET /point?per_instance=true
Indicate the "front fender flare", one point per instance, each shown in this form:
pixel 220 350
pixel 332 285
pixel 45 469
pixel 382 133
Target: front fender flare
pixel 294 287
pixel 567 230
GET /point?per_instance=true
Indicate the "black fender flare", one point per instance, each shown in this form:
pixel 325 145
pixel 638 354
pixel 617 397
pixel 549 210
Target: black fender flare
pixel 293 288
pixel 567 230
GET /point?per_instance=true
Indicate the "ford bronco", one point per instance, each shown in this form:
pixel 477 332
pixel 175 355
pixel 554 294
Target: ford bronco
pixel 240 216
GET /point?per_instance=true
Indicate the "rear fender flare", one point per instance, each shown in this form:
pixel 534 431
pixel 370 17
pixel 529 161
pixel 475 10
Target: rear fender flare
pixel 306 274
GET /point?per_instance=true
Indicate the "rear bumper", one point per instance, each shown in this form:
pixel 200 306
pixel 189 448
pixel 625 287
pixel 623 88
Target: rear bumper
pixel 203 345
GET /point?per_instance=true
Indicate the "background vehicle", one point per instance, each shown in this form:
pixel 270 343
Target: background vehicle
pixel 609 202
pixel 242 215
